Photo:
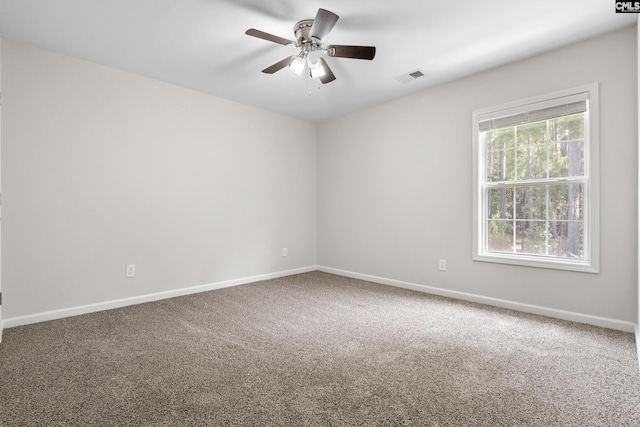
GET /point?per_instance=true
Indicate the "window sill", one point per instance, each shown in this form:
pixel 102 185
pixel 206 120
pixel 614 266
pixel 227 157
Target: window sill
pixel 537 262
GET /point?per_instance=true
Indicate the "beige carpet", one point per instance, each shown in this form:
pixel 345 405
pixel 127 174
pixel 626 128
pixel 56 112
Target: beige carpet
pixel 316 349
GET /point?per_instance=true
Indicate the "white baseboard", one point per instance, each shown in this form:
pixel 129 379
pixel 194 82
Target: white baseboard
pixel 107 305
pixel 527 308
pixel 604 322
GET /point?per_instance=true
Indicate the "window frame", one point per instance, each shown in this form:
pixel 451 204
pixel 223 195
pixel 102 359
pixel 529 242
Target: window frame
pixel 591 234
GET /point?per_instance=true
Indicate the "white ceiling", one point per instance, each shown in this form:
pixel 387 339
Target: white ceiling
pixel 200 44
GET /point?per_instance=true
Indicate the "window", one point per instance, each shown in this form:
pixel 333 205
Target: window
pixel 536 182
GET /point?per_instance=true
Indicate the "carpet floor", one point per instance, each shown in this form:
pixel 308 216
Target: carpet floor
pixel 316 349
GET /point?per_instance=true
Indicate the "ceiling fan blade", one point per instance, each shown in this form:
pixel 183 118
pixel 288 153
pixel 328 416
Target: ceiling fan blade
pixel 328 74
pixel 323 24
pixel 270 37
pixel 356 52
pixel 279 65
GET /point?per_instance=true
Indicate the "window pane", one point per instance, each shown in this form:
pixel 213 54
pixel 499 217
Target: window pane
pixel 532 161
pixel 531 202
pixel 566 158
pixel 500 160
pixel 500 139
pixel 566 239
pixel 531 237
pixel 567 150
pixel 567 127
pixel 500 203
pixel 495 165
pixel 500 165
pixel 532 134
pixel 566 202
pixel 532 150
pixel 548 220
pixel 500 236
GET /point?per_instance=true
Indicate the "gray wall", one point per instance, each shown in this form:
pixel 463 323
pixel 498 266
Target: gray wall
pixel 395 184
pixel 101 168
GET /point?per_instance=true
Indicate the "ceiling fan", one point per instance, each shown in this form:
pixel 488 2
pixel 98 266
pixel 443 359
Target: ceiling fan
pixel 309 35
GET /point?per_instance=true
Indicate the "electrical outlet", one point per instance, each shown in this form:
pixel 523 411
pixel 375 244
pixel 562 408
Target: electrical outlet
pixel 284 251
pixel 130 270
pixel 442 264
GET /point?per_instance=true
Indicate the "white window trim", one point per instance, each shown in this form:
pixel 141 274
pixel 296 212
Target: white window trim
pixel 591 261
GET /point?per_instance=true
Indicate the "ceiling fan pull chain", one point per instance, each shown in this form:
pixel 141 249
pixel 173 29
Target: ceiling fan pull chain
pixel 311 82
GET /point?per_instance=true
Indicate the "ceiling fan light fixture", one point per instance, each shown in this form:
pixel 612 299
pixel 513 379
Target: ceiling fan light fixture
pixel 315 65
pixel 317 72
pixel 297 66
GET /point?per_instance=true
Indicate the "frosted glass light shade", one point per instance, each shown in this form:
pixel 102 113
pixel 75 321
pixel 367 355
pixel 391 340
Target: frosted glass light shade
pixel 297 66
pixel 315 65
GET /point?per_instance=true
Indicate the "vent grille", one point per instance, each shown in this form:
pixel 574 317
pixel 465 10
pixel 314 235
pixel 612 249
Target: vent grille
pixel 411 76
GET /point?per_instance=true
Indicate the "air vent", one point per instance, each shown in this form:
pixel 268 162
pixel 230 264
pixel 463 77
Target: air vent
pixel 411 76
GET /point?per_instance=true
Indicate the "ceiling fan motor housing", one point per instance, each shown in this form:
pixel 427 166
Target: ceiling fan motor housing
pixel 301 30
